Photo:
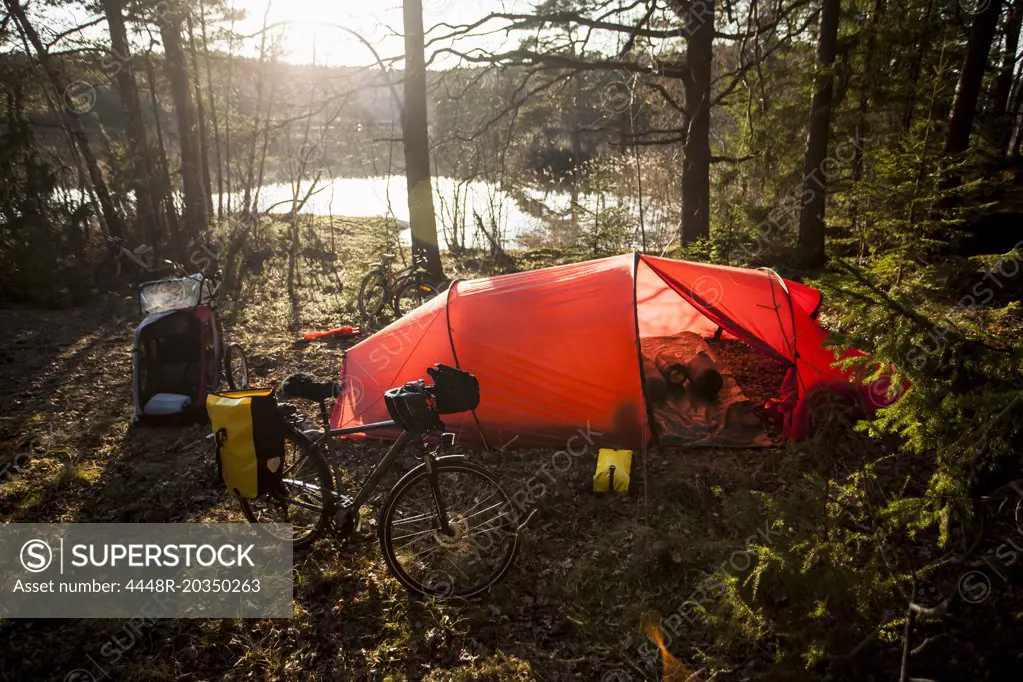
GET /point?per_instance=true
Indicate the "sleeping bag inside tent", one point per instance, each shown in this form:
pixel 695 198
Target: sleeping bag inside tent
pixel 612 353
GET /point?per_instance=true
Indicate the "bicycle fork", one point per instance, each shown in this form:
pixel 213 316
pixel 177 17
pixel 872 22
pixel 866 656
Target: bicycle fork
pixel 438 499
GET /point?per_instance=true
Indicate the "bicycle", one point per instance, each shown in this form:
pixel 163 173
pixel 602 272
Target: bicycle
pixel 444 521
pixel 404 290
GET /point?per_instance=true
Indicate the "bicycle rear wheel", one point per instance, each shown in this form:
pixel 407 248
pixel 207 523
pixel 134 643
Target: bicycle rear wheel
pixel 484 525
pixel 411 295
pixel 308 499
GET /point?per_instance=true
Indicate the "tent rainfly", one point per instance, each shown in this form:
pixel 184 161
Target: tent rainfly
pixel 558 352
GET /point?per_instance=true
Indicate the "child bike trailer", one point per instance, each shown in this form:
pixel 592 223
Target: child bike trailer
pixel 179 353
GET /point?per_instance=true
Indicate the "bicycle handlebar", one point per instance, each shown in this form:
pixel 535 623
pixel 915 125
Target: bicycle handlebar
pixel 417 407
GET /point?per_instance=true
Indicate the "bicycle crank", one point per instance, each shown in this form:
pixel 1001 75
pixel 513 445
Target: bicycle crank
pixel 346 519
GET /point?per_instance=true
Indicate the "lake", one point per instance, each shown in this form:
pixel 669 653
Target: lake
pixel 378 196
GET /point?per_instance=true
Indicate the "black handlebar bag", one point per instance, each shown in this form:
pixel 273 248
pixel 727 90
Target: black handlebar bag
pixel 249 432
pixel 415 406
pixel 454 390
pixel 411 407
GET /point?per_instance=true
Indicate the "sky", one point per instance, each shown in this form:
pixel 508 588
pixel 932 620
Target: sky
pixel 306 24
pixel 311 27
pixel 312 23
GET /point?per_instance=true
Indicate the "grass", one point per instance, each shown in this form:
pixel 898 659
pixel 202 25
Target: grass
pixel 689 549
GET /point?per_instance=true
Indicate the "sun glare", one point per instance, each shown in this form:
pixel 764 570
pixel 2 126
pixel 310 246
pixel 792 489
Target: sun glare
pixel 310 26
pixel 309 29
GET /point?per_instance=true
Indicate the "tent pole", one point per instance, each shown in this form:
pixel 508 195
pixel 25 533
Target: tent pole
pixel 792 315
pixel 454 355
pixel 652 435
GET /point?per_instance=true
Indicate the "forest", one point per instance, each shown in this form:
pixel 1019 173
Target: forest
pixel 866 149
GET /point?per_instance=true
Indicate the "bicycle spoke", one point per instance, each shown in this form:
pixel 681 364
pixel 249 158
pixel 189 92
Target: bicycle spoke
pixel 305 505
pixel 482 511
pixel 457 568
pixel 407 545
pixel 425 515
pixel 427 552
pixel 304 498
pixel 469 512
pixel 416 534
pixel 482 526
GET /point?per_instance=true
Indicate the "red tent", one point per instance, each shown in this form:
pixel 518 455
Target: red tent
pixel 558 351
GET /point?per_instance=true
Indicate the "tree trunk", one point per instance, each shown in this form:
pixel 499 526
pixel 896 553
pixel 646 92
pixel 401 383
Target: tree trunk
pixel 228 148
pixel 699 28
pixel 811 219
pixel 196 215
pixel 914 71
pixel 213 112
pixel 577 155
pixel 25 156
pixel 200 108
pixel 864 106
pixel 166 196
pixel 250 173
pixel 138 146
pixel 971 77
pixel 422 220
pixel 111 218
pixel 1002 100
pixel 1016 111
pixel 266 141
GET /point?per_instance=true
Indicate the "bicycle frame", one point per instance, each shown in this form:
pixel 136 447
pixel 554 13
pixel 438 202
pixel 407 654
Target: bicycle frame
pixel 400 278
pixel 392 276
pixel 384 465
pixel 394 280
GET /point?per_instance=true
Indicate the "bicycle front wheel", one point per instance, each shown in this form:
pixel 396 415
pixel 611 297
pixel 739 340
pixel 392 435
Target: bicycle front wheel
pixel 483 532
pixel 372 295
pixel 307 498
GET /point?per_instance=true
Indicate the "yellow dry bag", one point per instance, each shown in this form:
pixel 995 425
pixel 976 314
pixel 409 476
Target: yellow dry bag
pixel 249 433
pixel 613 468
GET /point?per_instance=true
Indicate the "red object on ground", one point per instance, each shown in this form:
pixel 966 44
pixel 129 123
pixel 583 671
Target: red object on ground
pixel 557 350
pixel 345 332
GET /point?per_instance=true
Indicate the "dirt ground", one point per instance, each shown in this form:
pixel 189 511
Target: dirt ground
pixel 592 572
pixel 590 567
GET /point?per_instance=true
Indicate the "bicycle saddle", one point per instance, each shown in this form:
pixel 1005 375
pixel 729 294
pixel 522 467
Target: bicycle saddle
pixel 385 259
pixel 304 386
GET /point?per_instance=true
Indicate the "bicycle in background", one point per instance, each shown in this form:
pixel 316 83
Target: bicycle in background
pixel 399 292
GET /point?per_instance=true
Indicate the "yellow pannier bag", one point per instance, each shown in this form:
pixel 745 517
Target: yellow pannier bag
pixel 613 468
pixel 249 432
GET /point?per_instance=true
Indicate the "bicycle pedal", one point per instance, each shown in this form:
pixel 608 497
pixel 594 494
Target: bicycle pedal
pixel 345 522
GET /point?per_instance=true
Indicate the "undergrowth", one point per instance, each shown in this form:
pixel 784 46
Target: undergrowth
pixel 800 562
